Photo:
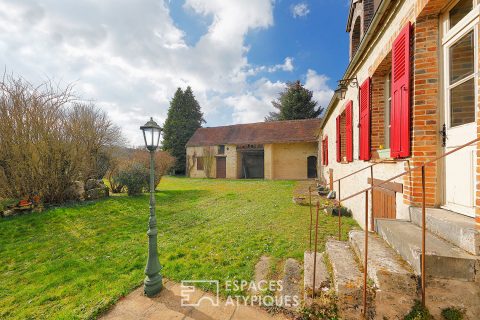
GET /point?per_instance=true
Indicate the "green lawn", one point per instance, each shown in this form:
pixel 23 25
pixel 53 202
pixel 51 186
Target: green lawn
pixel 76 261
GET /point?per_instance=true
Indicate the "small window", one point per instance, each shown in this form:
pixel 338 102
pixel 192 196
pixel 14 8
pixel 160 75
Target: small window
pixel 460 10
pixel 200 163
pixel 388 107
pixel 221 149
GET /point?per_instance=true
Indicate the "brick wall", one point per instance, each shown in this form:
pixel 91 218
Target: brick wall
pixel 368 12
pixel 379 102
pixel 425 115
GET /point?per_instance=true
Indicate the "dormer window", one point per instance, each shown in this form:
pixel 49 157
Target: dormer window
pixel 359 18
pixel 356 36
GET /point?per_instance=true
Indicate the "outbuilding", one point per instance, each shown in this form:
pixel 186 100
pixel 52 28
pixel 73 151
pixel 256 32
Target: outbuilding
pixel 263 150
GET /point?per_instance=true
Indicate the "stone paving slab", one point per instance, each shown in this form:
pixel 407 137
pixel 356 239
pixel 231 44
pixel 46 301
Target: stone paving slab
pixel 167 306
pixel 321 274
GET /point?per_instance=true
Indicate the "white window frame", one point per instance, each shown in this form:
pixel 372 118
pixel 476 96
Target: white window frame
pixel 451 36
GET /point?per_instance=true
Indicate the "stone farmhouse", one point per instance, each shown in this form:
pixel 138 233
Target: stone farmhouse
pixel 264 150
pixel 409 95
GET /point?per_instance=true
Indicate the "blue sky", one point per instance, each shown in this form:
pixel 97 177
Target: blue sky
pixel 315 41
pixel 128 57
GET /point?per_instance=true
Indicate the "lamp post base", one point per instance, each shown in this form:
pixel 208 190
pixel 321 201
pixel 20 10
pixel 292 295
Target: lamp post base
pixel 152 285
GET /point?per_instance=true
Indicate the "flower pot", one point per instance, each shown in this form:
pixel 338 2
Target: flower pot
pixel 383 153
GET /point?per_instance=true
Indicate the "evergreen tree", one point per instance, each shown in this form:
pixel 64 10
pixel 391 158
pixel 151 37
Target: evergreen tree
pixel 184 117
pixel 295 102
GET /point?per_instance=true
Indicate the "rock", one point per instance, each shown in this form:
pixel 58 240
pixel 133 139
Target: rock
pixel 96 193
pixel 93 184
pixel 262 271
pixel 290 293
pixel 332 195
pixel 323 192
pixel 76 191
pixel 344 211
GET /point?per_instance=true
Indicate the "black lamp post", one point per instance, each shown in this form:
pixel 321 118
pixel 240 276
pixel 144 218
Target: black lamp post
pixel 153 280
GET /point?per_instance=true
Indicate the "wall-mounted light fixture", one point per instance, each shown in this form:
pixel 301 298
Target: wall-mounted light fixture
pixel 343 84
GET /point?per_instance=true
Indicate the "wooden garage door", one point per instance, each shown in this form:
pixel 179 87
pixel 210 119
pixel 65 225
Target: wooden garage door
pixel 221 167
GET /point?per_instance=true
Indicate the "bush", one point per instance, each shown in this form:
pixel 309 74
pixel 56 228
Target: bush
pixel 125 158
pixel 163 162
pixel 418 312
pixel 135 178
pixel 47 142
pixel 453 313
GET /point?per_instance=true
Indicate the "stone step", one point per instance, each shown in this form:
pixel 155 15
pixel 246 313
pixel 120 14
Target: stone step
pixel 347 278
pixel 291 282
pixel 442 259
pixel 395 282
pixel 453 227
pixel 322 280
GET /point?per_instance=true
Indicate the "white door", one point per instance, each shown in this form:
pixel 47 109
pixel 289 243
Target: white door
pixel 460 82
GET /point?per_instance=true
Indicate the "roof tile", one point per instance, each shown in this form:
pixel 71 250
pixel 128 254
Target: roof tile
pixel 258 133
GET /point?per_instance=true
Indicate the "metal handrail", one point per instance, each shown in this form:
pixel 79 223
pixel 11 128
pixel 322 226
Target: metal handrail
pixel 408 171
pixel 365 191
pixel 359 170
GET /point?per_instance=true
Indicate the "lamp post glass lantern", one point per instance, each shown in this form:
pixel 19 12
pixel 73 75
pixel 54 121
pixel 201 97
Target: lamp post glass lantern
pixel 343 85
pixel 153 277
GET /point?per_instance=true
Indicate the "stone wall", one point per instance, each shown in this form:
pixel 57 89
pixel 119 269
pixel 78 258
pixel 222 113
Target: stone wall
pixel 290 159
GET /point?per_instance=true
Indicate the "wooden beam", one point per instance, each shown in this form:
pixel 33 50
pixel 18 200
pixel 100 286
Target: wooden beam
pixel 393 186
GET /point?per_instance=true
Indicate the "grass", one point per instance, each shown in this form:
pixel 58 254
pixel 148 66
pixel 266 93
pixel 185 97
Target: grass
pixel 74 262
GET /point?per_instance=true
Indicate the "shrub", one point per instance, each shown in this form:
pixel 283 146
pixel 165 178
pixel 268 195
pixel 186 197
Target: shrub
pixel 124 158
pixel 453 313
pixel 47 141
pixel 135 178
pixel 164 162
pixel 418 312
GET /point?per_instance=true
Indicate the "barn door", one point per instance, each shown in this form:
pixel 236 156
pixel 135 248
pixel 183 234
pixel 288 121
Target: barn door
pixel 312 167
pixel 221 167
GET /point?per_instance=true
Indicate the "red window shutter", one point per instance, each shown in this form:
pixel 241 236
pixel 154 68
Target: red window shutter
pixel 349 130
pixel 400 112
pixel 364 121
pixel 339 156
pixel 323 152
pixel 326 150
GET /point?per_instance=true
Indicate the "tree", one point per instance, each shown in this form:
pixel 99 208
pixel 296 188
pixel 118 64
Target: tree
pixel 184 118
pixel 295 102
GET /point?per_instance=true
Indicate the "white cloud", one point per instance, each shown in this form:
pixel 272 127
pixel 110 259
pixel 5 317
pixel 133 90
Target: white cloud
pixel 255 104
pixel 300 10
pixel 286 66
pixel 129 56
pixel 317 83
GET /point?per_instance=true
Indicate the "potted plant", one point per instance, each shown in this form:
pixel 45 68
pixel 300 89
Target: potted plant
pixel 383 153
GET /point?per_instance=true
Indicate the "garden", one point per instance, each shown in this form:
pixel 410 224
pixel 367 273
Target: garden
pixel 75 261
